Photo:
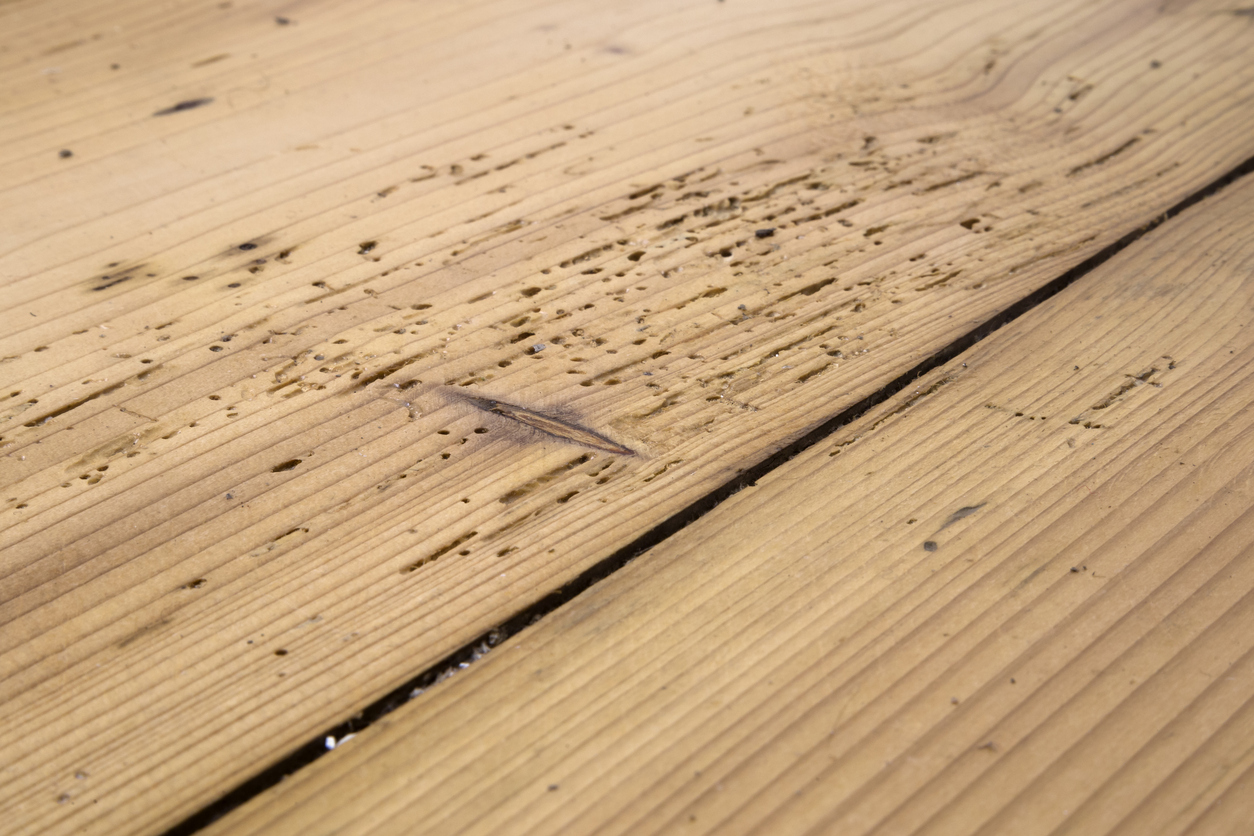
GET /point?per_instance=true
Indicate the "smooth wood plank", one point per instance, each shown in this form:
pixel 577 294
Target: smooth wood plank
pixel 1019 599
pixel 243 494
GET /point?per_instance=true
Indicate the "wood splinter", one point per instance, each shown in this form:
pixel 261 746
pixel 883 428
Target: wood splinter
pixel 550 425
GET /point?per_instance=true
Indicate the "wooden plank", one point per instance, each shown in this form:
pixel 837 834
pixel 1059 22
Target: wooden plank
pixel 1018 599
pixel 232 517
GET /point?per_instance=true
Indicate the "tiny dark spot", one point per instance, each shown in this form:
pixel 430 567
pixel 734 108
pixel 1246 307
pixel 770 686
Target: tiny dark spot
pixel 248 246
pixel 65 153
pixel 480 430
pixel 764 233
pixel 280 652
pixel 531 291
pixel 636 256
pixel 287 465
pixel 1075 570
pixel 215 348
pixel 552 787
pixel 233 284
pixel 282 21
pixel 366 246
pixel 190 278
pixel 930 546
pixel 1155 64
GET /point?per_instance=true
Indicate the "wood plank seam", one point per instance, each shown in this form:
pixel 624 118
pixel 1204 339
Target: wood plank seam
pixel 472 651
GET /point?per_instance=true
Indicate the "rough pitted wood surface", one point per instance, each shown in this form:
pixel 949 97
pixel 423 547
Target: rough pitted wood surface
pixel 335 334
pixel 1019 598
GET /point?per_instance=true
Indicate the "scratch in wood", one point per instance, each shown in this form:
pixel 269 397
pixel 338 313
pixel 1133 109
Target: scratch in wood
pixel 1133 381
pixel 550 425
pixel 961 513
pixel 190 104
pixel 1104 157
pixel 43 419
pixel 147 628
pixel 438 553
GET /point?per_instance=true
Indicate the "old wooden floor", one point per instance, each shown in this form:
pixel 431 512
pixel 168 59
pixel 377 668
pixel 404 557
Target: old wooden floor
pixel 556 416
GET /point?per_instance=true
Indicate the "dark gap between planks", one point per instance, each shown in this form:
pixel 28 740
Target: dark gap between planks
pixel 462 657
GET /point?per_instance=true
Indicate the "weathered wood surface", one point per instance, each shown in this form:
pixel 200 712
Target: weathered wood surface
pixel 1017 599
pixel 247 488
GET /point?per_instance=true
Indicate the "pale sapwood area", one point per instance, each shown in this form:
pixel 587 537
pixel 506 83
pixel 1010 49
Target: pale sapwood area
pixel 1016 598
pixel 336 335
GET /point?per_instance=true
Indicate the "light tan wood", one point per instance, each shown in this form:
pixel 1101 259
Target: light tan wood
pixel 1018 599
pixel 431 191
